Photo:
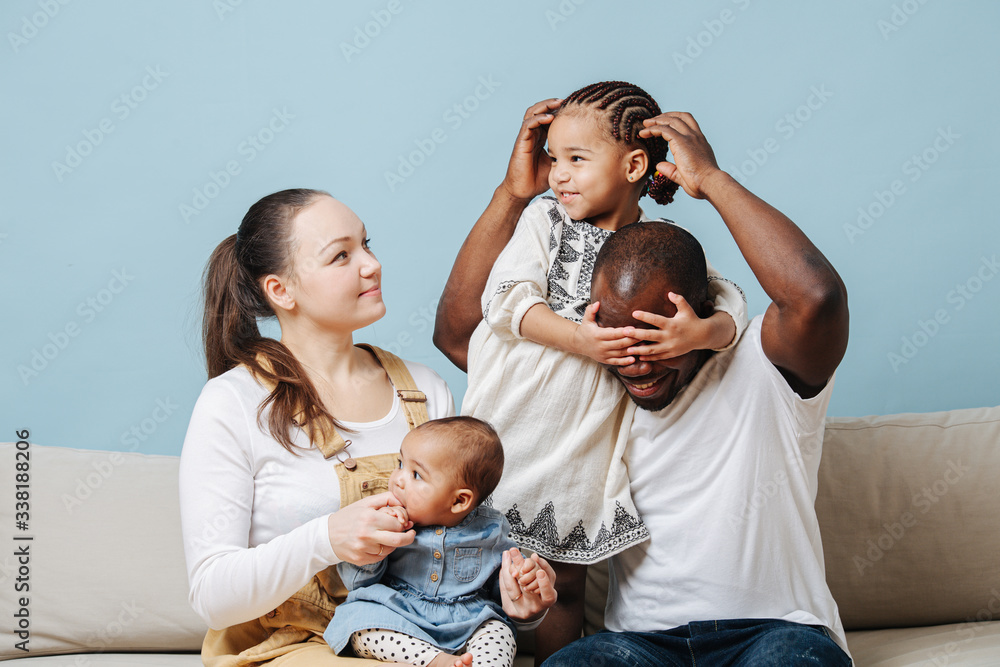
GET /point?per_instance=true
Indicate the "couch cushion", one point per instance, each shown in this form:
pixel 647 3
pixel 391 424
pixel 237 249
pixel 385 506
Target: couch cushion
pixel 106 564
pixel 909 518
pixel 956 645
pixel 111 660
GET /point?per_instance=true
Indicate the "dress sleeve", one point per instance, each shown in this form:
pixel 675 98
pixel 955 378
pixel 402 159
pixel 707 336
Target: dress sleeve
pixel 730 299
pixel 359 576
pixel 231 582
pixel 519 278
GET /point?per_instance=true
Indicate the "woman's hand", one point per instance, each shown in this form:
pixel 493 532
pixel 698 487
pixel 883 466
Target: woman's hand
pixel 362 534
pixel 528 601
pixel 605 345
pixel 528 169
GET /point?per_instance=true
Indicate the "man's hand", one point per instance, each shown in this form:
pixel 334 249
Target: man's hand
pixel 459 311
pixel 805 329
pixel 528 169
pixel 694 161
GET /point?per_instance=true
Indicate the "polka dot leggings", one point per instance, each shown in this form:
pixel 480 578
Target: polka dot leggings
pixel 491 644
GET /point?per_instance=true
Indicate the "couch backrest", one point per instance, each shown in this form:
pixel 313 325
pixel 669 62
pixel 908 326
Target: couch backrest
pixel 105 566
pixel 909 511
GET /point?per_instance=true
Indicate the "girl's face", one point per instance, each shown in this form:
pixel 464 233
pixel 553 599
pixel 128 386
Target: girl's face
pixel 590 173
pixel 425 481
pixel 337 280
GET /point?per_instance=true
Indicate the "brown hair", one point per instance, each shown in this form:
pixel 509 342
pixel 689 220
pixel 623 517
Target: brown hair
pixel 234 299
pixel 624 107
pixel 475 448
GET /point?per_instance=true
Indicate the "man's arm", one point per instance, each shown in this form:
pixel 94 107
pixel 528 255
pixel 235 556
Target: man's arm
pixel 805 329
pixel 459 310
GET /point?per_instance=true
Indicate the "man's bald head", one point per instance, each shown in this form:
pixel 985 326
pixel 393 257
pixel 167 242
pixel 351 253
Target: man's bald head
pixel 644 253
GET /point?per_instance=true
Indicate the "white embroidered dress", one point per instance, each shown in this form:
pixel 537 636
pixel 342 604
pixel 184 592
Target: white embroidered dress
pixel 565 488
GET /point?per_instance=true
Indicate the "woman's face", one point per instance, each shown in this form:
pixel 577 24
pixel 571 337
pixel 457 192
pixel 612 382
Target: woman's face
pixel 336 279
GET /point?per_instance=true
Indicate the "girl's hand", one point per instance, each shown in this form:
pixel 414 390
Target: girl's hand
pixel 605 345
pixel 682 333
pixel 528 603
pixel 362 534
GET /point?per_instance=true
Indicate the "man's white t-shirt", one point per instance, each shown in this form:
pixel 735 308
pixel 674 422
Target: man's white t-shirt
pixel 725 478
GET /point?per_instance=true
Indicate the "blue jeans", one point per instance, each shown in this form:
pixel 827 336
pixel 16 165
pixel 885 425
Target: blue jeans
pixel 746 642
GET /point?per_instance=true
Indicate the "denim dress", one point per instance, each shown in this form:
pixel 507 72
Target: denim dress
pixel 439 589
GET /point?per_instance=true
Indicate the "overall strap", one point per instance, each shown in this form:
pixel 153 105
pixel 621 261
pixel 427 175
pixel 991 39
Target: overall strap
pixel 413 400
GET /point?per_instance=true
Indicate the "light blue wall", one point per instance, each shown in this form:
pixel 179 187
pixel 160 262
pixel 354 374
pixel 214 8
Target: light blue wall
pixel 101 267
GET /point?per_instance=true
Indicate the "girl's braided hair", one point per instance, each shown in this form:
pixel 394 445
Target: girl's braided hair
pixel 625 106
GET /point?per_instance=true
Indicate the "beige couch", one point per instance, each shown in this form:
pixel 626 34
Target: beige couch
pixel 908 507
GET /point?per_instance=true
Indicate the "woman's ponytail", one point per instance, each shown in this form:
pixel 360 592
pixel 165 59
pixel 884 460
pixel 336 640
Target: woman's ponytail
pixel 229 327
pixel 234 300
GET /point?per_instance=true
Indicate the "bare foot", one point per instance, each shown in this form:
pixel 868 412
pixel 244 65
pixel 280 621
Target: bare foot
pixel 449 660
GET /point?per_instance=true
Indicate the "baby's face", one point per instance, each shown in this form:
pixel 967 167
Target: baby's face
pixel 425 481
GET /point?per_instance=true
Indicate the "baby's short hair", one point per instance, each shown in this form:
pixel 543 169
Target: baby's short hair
pixel 476 449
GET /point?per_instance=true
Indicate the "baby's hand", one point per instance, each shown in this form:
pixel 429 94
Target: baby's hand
pixel 680 334
pixel 400 514
pixel 529 602
pixel 527 577
pixel 605 345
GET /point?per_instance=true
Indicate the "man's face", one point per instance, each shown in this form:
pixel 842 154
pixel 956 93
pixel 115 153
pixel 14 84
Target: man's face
pixel 652 385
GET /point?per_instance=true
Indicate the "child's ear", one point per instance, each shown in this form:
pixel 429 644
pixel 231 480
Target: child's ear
pixel 462 502
pixel 636 165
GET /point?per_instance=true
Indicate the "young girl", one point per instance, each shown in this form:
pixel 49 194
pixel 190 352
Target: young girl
pixel 532 370
pixel 442 593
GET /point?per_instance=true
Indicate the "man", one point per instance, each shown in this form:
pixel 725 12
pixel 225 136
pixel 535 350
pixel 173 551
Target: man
pixel 730 575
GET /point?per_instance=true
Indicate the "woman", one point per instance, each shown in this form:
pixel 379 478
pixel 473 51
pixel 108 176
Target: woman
pixel 291 443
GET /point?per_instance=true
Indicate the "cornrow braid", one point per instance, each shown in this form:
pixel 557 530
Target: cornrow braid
pixel 626 105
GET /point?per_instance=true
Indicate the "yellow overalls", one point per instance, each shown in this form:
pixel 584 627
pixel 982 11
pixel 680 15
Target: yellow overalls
pixel 292 633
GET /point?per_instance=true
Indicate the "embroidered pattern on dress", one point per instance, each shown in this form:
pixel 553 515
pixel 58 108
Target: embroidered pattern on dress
pixel 543 535
pixel 727 280
pixel 503 287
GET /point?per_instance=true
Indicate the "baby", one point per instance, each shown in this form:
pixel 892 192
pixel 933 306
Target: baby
pixel 438 600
